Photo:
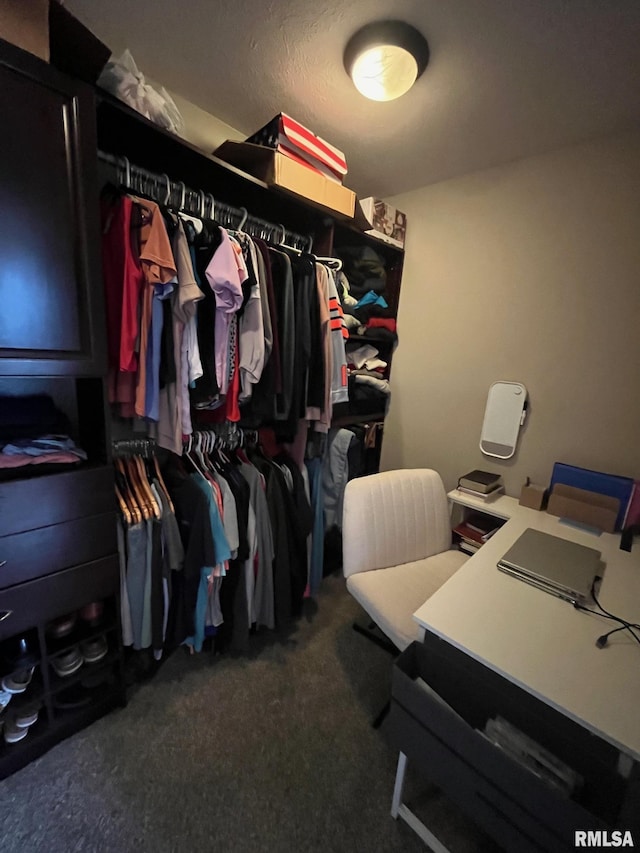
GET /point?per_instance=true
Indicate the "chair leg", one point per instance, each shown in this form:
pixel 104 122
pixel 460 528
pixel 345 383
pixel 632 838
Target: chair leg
pixel 382 715
pixel 385 644
pixel 388 646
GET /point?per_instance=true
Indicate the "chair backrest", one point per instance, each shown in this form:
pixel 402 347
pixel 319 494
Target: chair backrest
pixel 394 517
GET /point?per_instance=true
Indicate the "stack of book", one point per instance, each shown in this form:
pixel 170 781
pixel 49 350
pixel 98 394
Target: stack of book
pixel 475 530
pixel 481 484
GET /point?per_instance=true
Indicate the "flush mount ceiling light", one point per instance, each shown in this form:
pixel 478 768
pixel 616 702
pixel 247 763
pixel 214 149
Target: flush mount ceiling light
pixel 384 59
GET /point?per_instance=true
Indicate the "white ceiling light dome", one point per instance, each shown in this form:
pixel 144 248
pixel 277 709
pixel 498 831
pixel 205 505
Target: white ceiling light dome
pixel 384 59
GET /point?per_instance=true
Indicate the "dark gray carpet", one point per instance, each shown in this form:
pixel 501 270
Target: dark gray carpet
pixel 270 753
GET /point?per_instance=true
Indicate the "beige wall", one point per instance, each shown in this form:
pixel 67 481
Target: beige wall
pixel 526 272
pixel 202 129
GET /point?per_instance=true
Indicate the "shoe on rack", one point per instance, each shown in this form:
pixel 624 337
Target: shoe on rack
pixel 27 715
pixel 92 613
pixel 94 649
pixel 17 682
pixel 67 662
pixel 5 698
pixel 62 626
pixel 13 733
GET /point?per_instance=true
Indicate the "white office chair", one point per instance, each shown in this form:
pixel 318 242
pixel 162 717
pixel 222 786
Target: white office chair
pixel 396 547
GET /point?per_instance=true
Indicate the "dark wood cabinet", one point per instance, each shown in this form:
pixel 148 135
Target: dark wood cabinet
pixel 49 237
pixel 58 546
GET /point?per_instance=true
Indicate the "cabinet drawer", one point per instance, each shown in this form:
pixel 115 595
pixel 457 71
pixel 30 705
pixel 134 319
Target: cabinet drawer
pixel 28 604
pixel 438 726
pixel 43 501
pixel 35 553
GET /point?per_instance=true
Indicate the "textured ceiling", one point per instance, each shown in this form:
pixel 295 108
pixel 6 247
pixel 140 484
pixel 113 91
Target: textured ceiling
pixel 507 78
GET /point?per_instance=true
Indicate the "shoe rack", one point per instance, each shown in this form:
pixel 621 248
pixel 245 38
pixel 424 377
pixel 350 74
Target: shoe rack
pixel 57 684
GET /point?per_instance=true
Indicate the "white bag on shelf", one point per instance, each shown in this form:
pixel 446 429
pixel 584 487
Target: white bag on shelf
pixel 122 78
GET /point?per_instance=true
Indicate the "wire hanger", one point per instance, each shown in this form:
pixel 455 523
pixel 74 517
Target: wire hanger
pixel 283 237
pixel 167 189
pixel 334 263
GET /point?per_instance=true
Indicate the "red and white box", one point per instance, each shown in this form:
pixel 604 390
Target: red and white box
pixel 287 136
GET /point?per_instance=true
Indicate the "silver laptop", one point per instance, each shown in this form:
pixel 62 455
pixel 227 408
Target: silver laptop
pixel 555 565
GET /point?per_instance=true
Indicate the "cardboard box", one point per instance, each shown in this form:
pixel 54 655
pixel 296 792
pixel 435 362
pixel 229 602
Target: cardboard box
pixel 584 506
pixel 387 223
pixel 287 136
pixel 533 496
pixel 280 171
pixel 612 485
pixel 26 24
pixel 74 48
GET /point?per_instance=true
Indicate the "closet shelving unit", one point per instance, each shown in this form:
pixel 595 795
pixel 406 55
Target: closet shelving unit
pixel 125 133
pixel 58 544
pixel 58 547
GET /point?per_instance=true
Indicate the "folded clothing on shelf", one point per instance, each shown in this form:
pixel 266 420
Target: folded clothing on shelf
pixel 364 268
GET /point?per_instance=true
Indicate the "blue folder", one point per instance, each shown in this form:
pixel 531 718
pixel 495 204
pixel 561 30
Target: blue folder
pixel 594 481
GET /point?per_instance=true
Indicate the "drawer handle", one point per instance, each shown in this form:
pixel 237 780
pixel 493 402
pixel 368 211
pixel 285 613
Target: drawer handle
pixel 4 614
pixel 3 563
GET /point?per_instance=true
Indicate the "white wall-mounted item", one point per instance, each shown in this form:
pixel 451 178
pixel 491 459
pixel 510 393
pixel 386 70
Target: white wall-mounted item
pixel 503 417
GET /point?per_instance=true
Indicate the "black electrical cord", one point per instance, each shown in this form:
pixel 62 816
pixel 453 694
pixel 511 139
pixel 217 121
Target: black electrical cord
pixel 602 641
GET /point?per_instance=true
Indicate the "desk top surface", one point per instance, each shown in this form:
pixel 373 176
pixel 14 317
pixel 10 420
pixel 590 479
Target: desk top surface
pixel 541 642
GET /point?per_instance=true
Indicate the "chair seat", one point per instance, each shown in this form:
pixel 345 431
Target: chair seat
pixel 390 596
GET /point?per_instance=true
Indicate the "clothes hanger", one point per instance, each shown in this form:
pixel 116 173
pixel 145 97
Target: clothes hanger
pixel 161 482
pixel 137 489
pixel 143 479
pixel 124 509
pixel 281 242
pixel 334 263
pixel 189 454
pixel 127 492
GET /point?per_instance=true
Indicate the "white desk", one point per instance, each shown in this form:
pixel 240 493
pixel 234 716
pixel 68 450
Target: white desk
pixel 541 642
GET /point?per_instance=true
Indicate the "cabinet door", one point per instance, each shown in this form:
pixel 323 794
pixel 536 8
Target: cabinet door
pixel 50 273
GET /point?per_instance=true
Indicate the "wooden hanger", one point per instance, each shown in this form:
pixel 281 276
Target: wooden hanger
pixel 126 492
pixel 124 509
pixel 162 484
pixel 137 491
pixel 146 487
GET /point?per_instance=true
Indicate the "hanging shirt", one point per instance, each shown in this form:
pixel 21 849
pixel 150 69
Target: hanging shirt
pixel 175 413
pixel 339 334
pixel 158 266
pixel 225 278
pixel 251 333
pixel 322 414
pixel 203 247
pixel 283 286
pixel 124 284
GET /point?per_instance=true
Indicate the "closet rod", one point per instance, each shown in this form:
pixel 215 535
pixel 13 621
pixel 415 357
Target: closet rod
pixel 200 204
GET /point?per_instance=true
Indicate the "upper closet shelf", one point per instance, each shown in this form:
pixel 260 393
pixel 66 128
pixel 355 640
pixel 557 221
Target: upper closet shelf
pixel 122 131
